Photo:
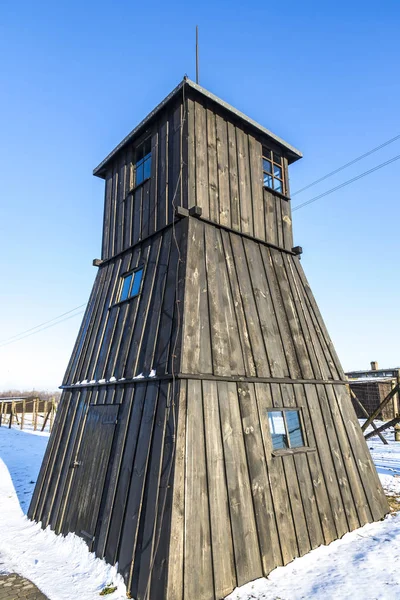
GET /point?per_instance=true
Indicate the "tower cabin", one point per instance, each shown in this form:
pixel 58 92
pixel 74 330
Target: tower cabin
pixel 205 433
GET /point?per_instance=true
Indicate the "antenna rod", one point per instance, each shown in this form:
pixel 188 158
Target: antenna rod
pixel 197 54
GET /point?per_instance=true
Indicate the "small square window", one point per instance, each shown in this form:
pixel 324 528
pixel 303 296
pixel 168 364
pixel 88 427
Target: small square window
pixel 131 285
pixel 273 172
pixel 143 162
pixel 286 429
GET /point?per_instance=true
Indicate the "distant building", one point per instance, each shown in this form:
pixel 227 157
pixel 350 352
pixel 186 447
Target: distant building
pixel 372 386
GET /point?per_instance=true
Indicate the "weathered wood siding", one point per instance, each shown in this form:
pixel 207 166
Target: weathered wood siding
pixel 249 311
pixel 123 340
pixel 133 213
pixel 226 179
pixel 245 510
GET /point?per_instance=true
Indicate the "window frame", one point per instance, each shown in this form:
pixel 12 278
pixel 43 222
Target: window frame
pixel 148 157
pixel 122 281
pixel 289 450
pixel 268 155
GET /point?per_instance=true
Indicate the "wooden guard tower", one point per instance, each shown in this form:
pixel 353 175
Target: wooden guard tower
pixel 205 433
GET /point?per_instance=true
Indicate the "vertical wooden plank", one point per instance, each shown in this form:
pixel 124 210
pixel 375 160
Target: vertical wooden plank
pixel 287 224
pixel 246 210
pixel 299 519
pixel 113 211
pixel 176 548
pixel 270 218
pixel 120 204
pixel 316 471
pixel 162 208
pixel 191 153
pixel 223 171
pixel 233 178
pixel 141 257
pixel 131 365
pixel 271 335
pixel 221 534
pixel 277 479
pixel 202 196
pixel 299 327
pixel 153 197
pixel 143 562
pixel 226 350
pixel 293 342
pixel 146 357
pixel 259 478
pixel 248 360
pixel 175 164
pixel 145 208
pixel 110 533
pixel 196 356
pixel 360 500
pixel 137 215
pixel 325 455
pixel 247 555
pixel 304 479
pixel 368 475
pixel 253 322
pixel 213 188
pixel 279 228
pixel 326 343
pixel 256 176
pixel 198 571
pixel 165 343
pixel 107 214
pixel 133 507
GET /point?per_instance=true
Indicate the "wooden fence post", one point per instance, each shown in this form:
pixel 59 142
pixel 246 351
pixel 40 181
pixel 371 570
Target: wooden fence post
pixel 52 414
pixel 23 413
pixel 35 411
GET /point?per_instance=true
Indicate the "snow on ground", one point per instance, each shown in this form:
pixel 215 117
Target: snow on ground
pixel 364 564
pixel 61 567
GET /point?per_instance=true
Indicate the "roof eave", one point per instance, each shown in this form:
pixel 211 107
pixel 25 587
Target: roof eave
pixel 292 153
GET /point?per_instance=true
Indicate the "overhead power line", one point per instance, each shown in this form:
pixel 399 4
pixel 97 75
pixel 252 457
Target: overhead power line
pixel 338 187
pixel 352 162
pixel 39 328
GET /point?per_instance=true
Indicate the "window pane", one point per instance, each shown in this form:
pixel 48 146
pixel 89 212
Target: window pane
pixel 268 180
pixel 278 185
pixel 278 172
pixel 278 433
pixel 267 166
pixel 277 158
pixel 147 166
pixel 125 287
pixel 294 428
pixel 266 153
pixel 139 172
pixel 137 279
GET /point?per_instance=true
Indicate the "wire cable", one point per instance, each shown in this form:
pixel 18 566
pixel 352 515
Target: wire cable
pixel 41 324
pixel 338 187
pixel 42 329
pixel 352 162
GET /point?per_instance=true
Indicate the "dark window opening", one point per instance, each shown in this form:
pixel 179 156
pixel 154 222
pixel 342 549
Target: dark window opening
pixel 286 429
pixel 273 171
pixel 131 285
pixel 143 162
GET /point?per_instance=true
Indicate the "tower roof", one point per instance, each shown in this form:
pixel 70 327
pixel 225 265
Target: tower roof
pixel 291 152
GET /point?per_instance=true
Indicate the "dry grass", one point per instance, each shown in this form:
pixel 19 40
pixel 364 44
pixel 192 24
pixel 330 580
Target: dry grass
pixel 394 503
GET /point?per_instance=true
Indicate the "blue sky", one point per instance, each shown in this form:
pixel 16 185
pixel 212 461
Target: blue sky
pixel 76 77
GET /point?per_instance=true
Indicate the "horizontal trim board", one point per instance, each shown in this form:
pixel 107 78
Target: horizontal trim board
pixel 205 220
pixel 290 451
pixel 205 377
